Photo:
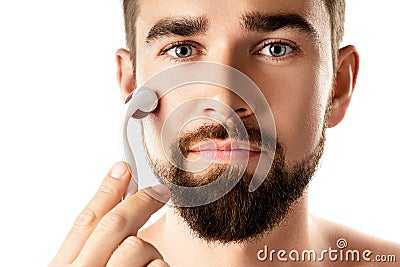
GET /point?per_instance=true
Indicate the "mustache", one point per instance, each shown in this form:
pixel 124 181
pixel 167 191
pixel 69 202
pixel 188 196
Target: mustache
pixel 217 131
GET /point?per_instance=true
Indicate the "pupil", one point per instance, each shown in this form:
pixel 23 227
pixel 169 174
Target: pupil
pixel 277 50
pixel 183 51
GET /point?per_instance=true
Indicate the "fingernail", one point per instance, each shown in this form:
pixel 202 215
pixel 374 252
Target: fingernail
pixel 118 170
pixel 162 190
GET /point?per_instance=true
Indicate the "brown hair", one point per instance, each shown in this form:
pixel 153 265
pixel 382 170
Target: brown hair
pixel 336 10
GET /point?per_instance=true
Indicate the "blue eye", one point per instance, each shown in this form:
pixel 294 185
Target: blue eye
pixel 181 51
pixel 276 50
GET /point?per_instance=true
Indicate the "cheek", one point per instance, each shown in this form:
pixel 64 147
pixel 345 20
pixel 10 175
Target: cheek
pixel 155 146
pixel 298 100
pixel 161 127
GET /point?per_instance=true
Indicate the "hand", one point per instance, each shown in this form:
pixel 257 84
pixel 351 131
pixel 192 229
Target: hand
pixel 105 232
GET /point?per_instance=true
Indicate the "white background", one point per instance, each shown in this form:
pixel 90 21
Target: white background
pixel 60 112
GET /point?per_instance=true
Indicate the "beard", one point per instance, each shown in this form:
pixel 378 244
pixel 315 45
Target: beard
pixel 239 215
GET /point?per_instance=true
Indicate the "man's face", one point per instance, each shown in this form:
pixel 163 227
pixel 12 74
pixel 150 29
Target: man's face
pixel 283 46
pixel 296 85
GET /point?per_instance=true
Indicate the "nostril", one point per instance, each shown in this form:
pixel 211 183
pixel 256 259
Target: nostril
pixel 241 110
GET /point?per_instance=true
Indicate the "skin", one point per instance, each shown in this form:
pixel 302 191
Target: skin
pixel 298 89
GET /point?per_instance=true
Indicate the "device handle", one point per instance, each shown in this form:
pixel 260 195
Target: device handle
pixel 141 103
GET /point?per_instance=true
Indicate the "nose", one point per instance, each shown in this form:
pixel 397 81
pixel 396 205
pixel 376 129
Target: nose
pixel 223 101
pixel 225 53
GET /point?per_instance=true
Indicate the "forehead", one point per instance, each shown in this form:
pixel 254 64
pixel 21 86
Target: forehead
pixel 225 14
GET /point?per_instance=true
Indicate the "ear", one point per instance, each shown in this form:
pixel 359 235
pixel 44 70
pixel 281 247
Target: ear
pixel 346 76
pixel 125 76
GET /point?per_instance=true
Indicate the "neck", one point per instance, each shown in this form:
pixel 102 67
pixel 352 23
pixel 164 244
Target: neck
pixel 296 231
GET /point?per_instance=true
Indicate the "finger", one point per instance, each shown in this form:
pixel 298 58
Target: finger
pixel 134 251
pixel 158 263
pixel 108 196
pixel 122 221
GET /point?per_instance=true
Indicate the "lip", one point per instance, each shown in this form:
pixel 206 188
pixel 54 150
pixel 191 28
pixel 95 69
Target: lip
pixel 224 151
pixel 224 145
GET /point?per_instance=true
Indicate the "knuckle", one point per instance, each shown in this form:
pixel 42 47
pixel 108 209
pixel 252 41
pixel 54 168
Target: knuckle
pixel 144 197
pixel 86 218
pixel 108 187
pixel 113 220
pixel 133 243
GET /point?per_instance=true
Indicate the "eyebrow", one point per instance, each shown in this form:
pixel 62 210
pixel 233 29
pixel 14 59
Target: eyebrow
pixel 250 22
pixel 184 26
pixel 259 22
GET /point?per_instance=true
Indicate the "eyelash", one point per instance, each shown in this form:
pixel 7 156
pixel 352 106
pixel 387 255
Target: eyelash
pixel 294 47
pixel 180 43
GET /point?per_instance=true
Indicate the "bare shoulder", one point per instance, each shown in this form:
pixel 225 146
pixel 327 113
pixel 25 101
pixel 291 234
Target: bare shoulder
pixel 370 249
